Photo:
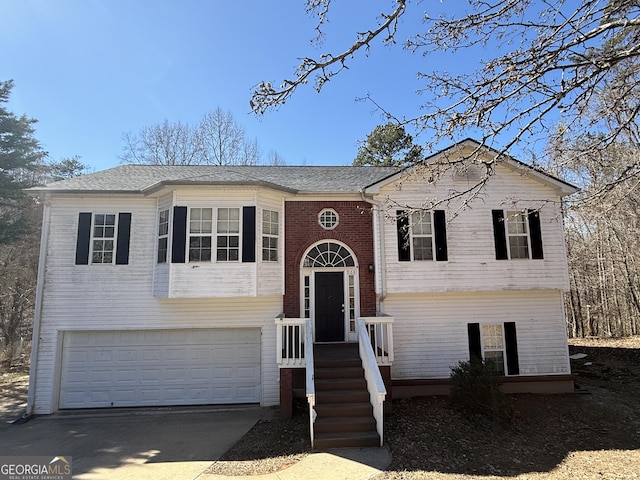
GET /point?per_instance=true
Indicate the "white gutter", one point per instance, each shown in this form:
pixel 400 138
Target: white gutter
pixel 35 337
pixel 383 269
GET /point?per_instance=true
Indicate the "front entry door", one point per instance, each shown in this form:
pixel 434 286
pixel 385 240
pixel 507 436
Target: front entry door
pixel 329 306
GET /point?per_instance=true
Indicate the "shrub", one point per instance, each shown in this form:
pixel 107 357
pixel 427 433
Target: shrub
pixel 476 388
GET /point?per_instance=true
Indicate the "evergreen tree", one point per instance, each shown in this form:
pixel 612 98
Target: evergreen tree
pixel 20 163
pixel 388 145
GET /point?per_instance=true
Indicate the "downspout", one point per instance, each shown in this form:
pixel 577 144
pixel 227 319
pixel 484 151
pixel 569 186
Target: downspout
pixel 37 317
pixel 377 206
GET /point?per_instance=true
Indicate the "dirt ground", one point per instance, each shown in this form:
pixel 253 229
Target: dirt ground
pixel 13 394
pixel 593 434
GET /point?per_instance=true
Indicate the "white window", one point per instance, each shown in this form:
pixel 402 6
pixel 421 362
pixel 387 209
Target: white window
pixel 352 302
pixel 422 236
pixel 228 235
pixel 517 234
pixel 493 347
pixel 200 230
pixel 307 296
pixel 328 219
pixel 104 238
pixel 163 235
pixel 270 231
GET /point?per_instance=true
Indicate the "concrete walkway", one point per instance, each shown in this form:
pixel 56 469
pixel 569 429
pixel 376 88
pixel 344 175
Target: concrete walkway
pixel 169 444
pixel 339 464
pixel 344 464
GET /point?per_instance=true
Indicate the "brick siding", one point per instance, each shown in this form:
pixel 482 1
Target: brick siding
pixel 355 229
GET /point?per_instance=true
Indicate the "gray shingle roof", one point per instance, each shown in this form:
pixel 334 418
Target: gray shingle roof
pixel 146 178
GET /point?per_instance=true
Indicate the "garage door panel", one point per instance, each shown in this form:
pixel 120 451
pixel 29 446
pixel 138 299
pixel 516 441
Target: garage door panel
pixel 105 369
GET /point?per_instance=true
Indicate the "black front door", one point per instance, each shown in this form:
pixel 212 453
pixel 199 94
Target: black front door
pixel 329 306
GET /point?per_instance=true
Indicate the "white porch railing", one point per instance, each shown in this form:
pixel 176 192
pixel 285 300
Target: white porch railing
pixel 310 378
pixel 294 349
pixel 291 334
pixel 290 341
pixel 375 384
pixel 380 332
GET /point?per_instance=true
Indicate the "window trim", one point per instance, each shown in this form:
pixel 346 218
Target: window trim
pixel 228 235
pixel 114 238
pixel 515 217
pixel 405 235
pixel 531 222
pixel 511 362
pixel 86 237
pixel 163 236
pixel 485 349
pixel 413 236
pixel 332 212
pixel 270 236
pixel 200 234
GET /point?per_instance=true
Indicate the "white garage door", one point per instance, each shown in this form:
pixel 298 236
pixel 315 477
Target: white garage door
pixel 160 367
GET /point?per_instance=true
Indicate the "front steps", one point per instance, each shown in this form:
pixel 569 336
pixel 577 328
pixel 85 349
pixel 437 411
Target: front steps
pixel 344 412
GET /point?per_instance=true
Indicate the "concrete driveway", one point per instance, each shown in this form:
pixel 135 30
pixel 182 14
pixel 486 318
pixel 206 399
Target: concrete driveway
pixel 134 444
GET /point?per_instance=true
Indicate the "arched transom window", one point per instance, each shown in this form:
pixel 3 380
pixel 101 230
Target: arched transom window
pixel 327 255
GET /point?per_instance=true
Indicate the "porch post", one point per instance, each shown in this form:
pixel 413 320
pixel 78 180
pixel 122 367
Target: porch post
pixel 286 393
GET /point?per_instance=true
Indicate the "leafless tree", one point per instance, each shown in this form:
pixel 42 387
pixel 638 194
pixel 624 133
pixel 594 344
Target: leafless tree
pixel 553 58
pixel 217 140
pixel 18 272
pixel 222 141
pixel 602 237
pixel 275 159
pixel 163 144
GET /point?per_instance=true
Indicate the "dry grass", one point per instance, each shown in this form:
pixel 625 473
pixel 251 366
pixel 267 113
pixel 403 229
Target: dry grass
pixel 593 435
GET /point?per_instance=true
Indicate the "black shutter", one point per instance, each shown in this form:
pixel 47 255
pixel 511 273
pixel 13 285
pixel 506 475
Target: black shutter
pixel 179 237
pixel 475 348
pixel 536 235
pixel 513 368
pixel 124 235
pixel 499 235
pixel 248 234
pixel 440 232
pixel 402 224
pixel 83 239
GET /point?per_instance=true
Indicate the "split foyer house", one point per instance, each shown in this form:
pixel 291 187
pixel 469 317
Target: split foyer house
pixel 186 285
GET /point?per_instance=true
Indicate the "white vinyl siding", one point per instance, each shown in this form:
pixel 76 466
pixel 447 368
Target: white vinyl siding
pixel 472 264
pixel 430 331
pixel 107 299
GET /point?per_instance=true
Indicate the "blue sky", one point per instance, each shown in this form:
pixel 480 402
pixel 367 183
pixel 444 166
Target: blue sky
pixel 90 70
